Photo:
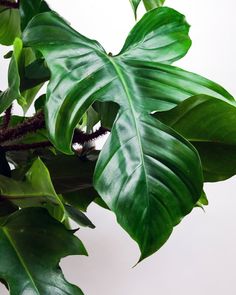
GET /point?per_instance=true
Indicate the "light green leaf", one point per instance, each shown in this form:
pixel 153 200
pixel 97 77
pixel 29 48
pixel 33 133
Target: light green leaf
pixel 151 4
pixel 31 246
pixel 146 173
pixel 9 25
pixel 210 125
pixel 13 91
pixel 35 190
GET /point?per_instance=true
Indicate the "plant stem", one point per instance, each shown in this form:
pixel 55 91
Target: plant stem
pixel 80 137
pixel 6 118
pixel 30 125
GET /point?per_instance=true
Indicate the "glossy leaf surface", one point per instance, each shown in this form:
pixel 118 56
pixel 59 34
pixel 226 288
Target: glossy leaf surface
pixel 155 86
pixel 31 246
pixel 210 125
pixel 145 167
pixel 13 91
pixel 149 176
pixel 35 190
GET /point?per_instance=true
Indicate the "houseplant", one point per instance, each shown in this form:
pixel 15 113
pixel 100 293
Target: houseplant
pixel 169 178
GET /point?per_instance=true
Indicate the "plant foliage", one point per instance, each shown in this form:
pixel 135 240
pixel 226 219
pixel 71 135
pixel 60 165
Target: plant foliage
pixel 167 128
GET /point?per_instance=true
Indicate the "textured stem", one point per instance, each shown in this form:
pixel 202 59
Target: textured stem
pixel 80 137
pixel 30 125
pixel 7 118
pixel 9 4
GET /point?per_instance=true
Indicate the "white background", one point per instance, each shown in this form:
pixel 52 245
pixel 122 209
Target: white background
pixel 200 256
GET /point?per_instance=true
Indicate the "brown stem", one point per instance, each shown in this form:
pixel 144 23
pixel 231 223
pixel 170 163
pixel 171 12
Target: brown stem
pixel 9 4
pixel 6 118
pixel 79 137
pixel 30 125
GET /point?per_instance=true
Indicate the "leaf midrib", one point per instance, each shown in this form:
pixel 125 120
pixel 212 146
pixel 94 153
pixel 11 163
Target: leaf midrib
pixel 133 111
pixel 18 254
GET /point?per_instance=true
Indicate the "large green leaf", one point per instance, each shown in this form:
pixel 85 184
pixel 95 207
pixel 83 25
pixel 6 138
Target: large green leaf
pixel 210 125
pixel 83 73
pixel 149 176
pixel 146 173
pixel 151 4
pixel 31 246
pixel 9 25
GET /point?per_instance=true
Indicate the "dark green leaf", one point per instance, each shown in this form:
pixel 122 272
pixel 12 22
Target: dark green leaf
pixel 9 25
pixel 144 176
pixel 155 86
pixel 13 91
pixel 147 174
pixel 31 246
pixel 78 217
pixel 210 125
pixel 107 112
pixel 29 8
pixel 35 74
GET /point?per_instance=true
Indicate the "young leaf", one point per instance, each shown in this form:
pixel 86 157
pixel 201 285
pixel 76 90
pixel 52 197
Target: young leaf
pixel 31 246
pixel 210 125
pixel 135 4
pixel 78 216
pixel 146 173
pixel 151 4
pixel 13 91
pixel 9 25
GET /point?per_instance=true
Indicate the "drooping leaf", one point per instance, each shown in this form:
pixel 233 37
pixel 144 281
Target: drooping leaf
pixel 31 246
pixel 28 9
pixel 78 216
pixel 36 73
pixel 9 25
pixel 146 173
pixel 144 176
pixel 13 91
pixel 203 201
pixel 72 177
pixel 210 125
pixel 151 4
pixel 35 190
pixel 135 4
